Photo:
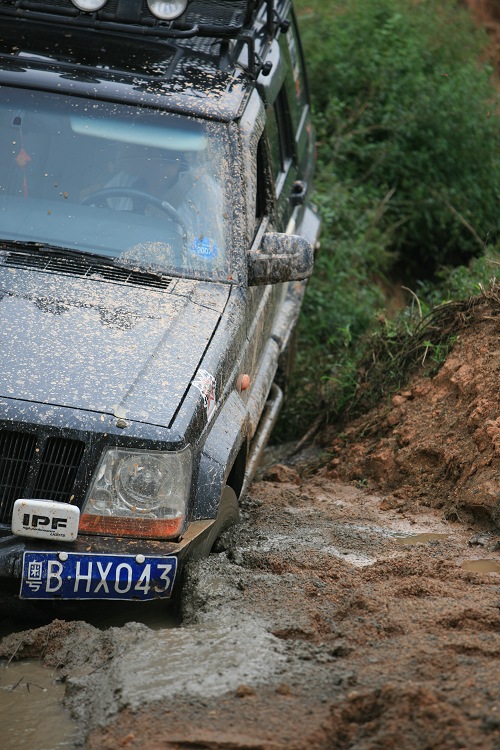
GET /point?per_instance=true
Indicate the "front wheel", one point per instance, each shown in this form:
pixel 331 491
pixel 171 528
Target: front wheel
pixel 228 514
pixel 184 602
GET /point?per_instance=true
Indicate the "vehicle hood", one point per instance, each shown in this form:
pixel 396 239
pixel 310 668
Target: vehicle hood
pixel 101 346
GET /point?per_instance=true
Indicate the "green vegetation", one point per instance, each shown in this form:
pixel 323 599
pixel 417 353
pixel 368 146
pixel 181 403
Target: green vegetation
pixel 408 186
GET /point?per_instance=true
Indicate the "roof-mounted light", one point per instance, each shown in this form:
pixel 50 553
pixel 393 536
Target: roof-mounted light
pixel 167 10
pixel 162 19
pixel 89 5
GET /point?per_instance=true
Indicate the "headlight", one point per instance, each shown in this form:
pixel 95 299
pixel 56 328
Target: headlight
pixel 138 493
pixel 89 5
pixel 167 10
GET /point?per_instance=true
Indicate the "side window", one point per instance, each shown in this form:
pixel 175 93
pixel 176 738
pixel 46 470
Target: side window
pixel 280 136
pixel 296 84
pixel 275 157
pixel 273 135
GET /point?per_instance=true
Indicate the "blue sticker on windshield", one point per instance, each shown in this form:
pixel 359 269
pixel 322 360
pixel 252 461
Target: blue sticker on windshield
pixel 203 247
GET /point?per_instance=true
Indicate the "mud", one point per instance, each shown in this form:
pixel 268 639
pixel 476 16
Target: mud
pixel 30 702
pixel 314 628
pixel 436 444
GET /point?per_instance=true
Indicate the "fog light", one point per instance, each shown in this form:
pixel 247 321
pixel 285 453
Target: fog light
pixel 89 5
pixel 167 9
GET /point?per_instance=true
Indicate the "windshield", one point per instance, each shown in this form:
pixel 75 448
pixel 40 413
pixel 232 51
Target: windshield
pixel 144 186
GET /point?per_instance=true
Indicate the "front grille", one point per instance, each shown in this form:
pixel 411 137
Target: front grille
pixel 17 451
pixel 60 462
pixel 34 466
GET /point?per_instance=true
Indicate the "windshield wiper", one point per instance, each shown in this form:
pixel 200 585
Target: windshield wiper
pixel 43 247
pixel 46 253
pixel 49 259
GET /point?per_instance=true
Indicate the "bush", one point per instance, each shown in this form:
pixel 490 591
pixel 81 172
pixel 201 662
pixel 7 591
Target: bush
pixel 405 112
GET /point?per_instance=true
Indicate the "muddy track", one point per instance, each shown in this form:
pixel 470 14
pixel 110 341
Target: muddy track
pixel 327 622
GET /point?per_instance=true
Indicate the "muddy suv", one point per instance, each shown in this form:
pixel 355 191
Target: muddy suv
pixel 155 234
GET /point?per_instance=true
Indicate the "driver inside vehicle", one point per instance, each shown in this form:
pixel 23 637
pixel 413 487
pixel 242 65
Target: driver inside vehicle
pixel 144 169
pixel 187 193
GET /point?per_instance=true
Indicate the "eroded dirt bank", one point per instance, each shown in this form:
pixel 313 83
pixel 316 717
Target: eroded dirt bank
pixel 437 443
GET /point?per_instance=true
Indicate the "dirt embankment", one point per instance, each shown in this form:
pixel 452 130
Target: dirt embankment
pixel 437 443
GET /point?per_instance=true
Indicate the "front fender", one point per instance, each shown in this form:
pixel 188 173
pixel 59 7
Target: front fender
pixel 219 453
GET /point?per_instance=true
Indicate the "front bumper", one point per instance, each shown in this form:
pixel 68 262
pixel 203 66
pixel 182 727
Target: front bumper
pixel 12 549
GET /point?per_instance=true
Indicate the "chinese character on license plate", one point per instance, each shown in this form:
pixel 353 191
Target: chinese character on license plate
pixel 51 575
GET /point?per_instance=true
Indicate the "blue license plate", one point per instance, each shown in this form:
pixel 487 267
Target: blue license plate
pixel 71 575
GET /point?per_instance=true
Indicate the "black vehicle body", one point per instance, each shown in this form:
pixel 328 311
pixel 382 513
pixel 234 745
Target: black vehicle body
pixel 122 375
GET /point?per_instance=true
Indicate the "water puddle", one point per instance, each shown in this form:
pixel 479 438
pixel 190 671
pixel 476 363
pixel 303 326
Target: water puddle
pixel 33 717
pixel 419 539
pixel 482 566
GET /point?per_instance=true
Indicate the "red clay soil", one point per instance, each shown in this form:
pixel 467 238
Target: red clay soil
pixel 437 443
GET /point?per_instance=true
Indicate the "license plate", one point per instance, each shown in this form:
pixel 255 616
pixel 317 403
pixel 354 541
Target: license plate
pixel 71 575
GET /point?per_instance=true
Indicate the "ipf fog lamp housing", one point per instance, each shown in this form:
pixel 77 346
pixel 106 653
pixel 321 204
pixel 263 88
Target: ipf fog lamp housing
pixel 138 493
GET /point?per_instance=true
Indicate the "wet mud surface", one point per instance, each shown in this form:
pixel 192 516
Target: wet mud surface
pixel 326 622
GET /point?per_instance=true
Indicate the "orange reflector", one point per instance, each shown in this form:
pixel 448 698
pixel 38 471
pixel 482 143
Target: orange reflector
pixel 143 528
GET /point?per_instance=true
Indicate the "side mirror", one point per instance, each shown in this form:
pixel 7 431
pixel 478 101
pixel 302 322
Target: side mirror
pixel 280 258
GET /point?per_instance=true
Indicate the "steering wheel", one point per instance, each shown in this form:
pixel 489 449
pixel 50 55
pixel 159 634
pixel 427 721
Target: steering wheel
pixel 99 196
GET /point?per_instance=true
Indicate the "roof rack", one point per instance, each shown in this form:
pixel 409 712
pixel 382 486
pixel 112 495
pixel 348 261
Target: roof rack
pixel 225 20
pixel 211 18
